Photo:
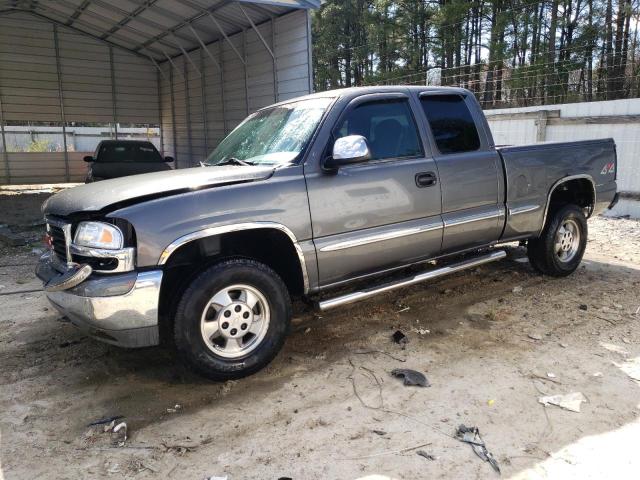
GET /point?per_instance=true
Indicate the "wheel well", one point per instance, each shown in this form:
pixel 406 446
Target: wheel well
pixel 272 247
pixel 578 191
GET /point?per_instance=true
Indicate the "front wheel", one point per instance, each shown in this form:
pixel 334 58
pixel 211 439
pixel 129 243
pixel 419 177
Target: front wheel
pixel 559 250
pixel 233 319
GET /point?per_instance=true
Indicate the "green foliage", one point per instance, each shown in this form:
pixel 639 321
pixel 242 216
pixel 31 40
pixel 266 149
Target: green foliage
pixel 508 52
pixel 39 146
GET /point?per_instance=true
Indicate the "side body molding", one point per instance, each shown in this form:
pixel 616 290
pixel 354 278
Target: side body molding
pixel 213 231
pixel 560 182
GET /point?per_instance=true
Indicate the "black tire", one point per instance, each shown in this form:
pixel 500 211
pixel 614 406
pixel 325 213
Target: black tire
pixel 189 340
pixel 542 252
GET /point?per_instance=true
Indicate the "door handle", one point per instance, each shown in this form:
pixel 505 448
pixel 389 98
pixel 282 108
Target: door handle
pixel 426 179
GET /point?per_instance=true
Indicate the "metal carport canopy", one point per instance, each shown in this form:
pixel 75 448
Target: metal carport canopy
pixel 195 68
pixel 157 29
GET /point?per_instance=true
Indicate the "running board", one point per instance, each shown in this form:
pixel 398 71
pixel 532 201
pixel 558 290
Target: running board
pixel 421 277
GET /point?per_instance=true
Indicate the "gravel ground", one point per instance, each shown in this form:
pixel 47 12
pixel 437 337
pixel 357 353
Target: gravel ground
pixel 491 342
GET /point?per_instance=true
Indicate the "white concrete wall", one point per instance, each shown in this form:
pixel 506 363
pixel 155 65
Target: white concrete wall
pixel 517 131
pixel 79 139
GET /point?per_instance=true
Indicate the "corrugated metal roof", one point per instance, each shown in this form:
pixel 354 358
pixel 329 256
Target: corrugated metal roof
pixel 157 28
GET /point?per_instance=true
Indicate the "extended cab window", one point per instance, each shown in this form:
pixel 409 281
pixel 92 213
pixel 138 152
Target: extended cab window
pixel 388 127
pixel 451 123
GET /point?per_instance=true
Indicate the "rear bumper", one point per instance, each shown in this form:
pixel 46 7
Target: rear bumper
pixel 121 309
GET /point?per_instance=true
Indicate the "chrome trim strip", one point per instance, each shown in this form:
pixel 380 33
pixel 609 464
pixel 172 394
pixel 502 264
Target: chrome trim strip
pixel 209 232
pixel 370 292
pixel 67 242
pixel 379 237
pixel 473 218
pixel 66 229
pixel 560 182
pixel 523 209
pixel 126 256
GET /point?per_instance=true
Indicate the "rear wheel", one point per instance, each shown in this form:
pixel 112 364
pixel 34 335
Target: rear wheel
pixel 559 250
pixel 233 319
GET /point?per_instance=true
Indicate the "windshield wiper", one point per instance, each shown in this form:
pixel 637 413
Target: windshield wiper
pixel 235 161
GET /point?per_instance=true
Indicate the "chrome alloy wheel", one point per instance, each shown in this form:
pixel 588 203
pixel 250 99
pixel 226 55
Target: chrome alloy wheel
pixel 235 321
pixel 567 242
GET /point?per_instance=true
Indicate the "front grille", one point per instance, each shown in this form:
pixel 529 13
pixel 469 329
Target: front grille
pixel 58 241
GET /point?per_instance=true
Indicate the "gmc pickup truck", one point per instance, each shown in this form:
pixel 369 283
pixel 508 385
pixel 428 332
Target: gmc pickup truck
pixel 330 198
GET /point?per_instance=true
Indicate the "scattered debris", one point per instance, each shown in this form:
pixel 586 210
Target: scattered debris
pixel 214 477
pixel 421 331
pixel 471 435
pixel 186 446
pixel 551 375
pixel 389 452
pixel 631 368
pixel 564 345
pixel 174 409
pixel 597 374
pixel 379 432
pixel 535 336
pixel 411 377
pixel 118 432
pixel 120 429
pixel 517 289
pixel 583 307
pixel 366 352
pixel 614 348
pixel 491 402
pixel 569 401
pixel 426 455
pixel 106 420
pixel 400 338
pixel 307 330
pixel 405 309
pixel 522 260
pixel 545 378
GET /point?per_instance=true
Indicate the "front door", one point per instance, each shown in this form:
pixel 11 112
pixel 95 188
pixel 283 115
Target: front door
pixel 382 213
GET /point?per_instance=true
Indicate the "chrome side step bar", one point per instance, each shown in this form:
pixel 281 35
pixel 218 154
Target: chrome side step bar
pixel 421 277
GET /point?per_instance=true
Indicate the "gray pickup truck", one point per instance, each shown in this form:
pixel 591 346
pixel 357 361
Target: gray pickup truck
pixel 328 198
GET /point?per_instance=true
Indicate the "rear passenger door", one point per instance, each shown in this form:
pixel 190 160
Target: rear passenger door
pixel 381 213
pixel 469 169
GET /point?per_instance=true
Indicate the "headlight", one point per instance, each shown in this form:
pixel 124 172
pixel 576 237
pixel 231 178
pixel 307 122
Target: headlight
pixel 99 235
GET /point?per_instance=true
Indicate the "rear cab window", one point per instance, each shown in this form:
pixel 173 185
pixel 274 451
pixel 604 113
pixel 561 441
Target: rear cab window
pixel 388 126
pixel 128 152
pixel 451 123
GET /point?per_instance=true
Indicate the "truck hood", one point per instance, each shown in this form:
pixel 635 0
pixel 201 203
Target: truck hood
pixel 137 188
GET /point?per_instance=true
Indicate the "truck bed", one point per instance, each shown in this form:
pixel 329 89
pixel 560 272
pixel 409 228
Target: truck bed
pixel 532 171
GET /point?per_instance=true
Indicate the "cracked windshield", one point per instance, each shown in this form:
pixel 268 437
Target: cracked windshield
pixel 274 136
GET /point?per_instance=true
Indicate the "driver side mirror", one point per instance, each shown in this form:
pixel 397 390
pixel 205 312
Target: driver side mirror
pixel 347 151
pixel 168 159
pixel 88 159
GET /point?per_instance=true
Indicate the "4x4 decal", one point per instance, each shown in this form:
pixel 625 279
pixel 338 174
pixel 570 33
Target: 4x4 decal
pixel 608 168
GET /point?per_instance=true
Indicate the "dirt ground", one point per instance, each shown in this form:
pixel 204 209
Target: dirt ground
pixel 491 342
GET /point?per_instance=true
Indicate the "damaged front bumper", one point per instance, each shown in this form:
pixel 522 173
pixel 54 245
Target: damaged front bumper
pixel 121 309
